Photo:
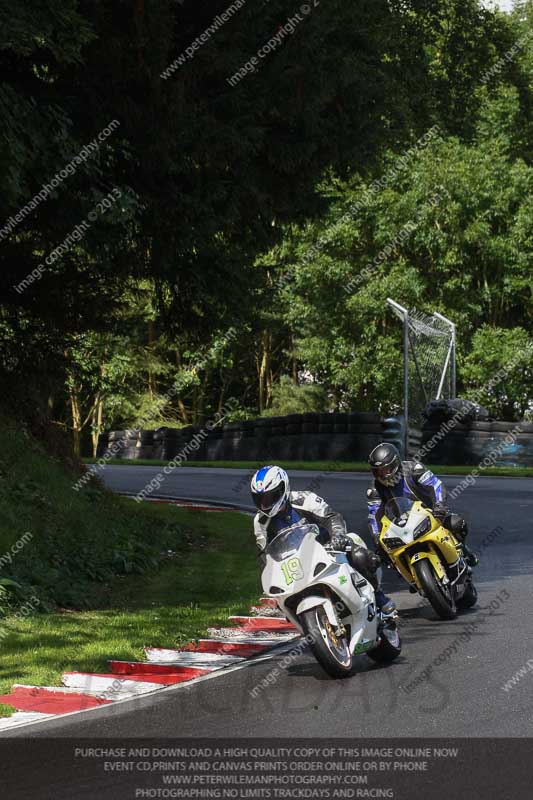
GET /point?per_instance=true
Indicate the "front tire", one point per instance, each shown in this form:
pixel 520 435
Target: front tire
pixel 442 599
pixel 389 647
pixel 332 652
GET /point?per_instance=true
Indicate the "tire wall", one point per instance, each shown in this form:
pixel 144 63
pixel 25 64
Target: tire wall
pixel 492 442
pixel 324 437
pixel 297 437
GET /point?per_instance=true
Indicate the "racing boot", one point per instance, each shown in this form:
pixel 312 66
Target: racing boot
pixel 385 604
pixel 470 557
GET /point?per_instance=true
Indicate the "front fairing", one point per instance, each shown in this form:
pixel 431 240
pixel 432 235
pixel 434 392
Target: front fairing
pixel 299 570
pixel 293 560
pixel 402 534
pixel 404 526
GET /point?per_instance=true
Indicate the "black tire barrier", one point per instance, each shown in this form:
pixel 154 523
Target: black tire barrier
pixel 130 452
pixel 467 410
pixel 341 418
pixel 116 436
pixel 317 436
pixel 277 422
pixel 248 428
pixel 293 430
pixel 505 427
pixel 293 419
pixel 231 430
pixel 364 418
pixel 365 427
pixel 394 433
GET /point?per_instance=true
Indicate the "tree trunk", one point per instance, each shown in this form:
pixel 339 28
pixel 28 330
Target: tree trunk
pixel 264 370
pixel 76 421
pixel 270 384
pixel 184 414
pixel 152 385
pixel 222 394
pixel 294 362
pixel 202 391
pixel 98 415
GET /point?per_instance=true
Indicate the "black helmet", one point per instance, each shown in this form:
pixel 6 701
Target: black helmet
pixel 386 464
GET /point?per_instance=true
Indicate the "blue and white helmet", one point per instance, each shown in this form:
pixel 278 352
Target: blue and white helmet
pixel 270 490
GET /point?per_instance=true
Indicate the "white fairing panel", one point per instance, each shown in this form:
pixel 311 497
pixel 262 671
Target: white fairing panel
pixel 296 561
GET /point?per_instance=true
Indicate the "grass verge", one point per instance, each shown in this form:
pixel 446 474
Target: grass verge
pixel 86 576
pixel 194 588
pixel 325 466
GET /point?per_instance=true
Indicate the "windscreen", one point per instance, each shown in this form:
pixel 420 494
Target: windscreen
pixel 398 509
pixel 289 540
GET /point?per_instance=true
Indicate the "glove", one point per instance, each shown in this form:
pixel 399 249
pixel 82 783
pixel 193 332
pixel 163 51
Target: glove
pixel 340 541
pixel 440 511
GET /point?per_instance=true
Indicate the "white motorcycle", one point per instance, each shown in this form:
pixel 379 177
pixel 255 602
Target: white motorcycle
pixel 331 603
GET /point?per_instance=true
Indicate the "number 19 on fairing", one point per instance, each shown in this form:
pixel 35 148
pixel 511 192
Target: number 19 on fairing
pixel 292 570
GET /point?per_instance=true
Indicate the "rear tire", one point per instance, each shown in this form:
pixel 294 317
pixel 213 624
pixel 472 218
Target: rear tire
pixel 442 601
pixel 389 647
pixel 469 598
pixel 331 652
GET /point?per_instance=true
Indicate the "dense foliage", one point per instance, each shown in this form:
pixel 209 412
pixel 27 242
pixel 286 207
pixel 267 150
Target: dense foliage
pixel 233 238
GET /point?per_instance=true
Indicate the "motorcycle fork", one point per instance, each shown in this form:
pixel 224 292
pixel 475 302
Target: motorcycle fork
pixel 457 570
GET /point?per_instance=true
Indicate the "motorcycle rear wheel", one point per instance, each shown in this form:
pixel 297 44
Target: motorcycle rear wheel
pixel 469 598
pixel 389 647
pixel 442 600
pixel 332 652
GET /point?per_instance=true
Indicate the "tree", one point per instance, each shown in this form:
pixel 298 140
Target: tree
pixel 499 371
pixel 452 232
pixel 291 398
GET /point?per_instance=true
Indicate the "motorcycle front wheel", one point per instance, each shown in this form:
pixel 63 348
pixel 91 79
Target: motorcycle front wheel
pixel 439 595
pixel 330 650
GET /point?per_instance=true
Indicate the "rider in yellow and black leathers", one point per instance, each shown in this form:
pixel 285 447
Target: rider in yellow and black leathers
pixel 396 478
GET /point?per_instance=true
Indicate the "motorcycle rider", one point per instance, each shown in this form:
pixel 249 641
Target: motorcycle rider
pixel 278 508
pixel 396 478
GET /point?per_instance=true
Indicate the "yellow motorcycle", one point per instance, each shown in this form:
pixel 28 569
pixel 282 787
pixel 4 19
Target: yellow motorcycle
pixel 427 556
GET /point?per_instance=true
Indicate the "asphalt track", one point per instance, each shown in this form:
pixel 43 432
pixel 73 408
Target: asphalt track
pixel 463 694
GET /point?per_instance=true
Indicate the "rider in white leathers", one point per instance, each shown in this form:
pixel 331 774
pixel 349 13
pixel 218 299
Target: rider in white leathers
pixel 279 508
